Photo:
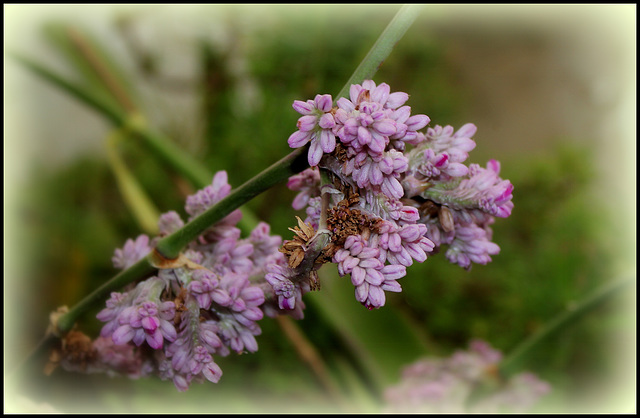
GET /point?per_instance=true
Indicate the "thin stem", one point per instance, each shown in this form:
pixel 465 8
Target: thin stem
pixel 309 355
pixel 111 112
pixel 162 146
pixel 513 362
pixel 143 209
pixel 141 269
pixel 383 46
pixel 293 163
pixel 101 70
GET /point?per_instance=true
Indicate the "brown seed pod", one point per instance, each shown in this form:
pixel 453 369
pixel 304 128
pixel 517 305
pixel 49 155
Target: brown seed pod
pixel 296 257
pixel 446 219
pixel 428 208
pixel 295 248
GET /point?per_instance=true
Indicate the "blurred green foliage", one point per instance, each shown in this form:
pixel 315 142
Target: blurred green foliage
pixel 551 253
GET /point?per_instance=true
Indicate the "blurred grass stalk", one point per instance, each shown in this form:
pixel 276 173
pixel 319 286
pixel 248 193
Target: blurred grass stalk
pixel 138 202
pixel 514 361
pixel 107 96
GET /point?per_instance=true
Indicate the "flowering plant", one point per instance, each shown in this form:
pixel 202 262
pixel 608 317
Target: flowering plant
pixel 383 205
pixel 379 194
pixel 381 188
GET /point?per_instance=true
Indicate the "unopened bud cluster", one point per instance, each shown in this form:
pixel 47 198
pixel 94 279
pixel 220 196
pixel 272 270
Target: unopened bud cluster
pixel 397 192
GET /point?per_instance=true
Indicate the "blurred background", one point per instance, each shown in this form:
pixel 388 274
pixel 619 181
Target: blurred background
pixel 552 90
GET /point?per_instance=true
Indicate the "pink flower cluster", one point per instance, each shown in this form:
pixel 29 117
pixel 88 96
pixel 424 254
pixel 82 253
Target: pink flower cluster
pixel 412 188
pixel 446 385
pixel 189 314
pixel 380 194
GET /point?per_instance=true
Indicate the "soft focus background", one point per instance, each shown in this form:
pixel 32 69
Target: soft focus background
pixel 552 90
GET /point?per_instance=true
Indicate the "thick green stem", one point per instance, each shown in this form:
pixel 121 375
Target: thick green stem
pixel 293 163
pixel 171 246
pixel 514 361
pixel 139 270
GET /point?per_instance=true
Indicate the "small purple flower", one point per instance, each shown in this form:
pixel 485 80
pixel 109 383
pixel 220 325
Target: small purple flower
pixel 368 273
pixel 114 306
pixel 404 244
pixel 236 335
pixel 265 246
pixel 407 127
pixel 482 189
pixel 382 171
pixel 149 321
pixel 434 165
pixel 202 362
pixel 315 126
pixel 245 299
pixel 380 95
pixel 131 253
pixel 457 145
pixel 169 223
pixel 209 196
pixel 229 254
pixel 205 287
pixel 494 194
pixel 471 244
pixel 145 290
pixel 286 291
pixel 313 211
pixel 387 208
pixel 365 124
pixel 307 183
pixel 190 352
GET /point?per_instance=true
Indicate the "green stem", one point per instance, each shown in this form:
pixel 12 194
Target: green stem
pixel 86 96
pixel 162 146
pixel 383 47
pixel 513 362
pixel 101 70
pixel 139 270
pixel 171 245
pixel 295 162
pixel 165 149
